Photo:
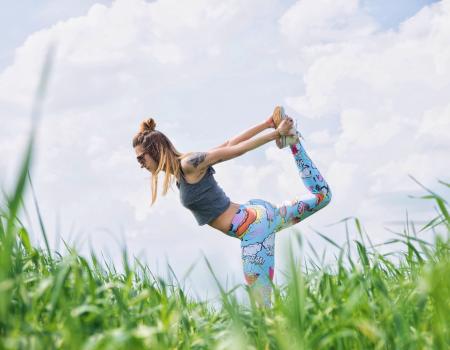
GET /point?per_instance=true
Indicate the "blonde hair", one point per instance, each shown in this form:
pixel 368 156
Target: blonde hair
pixel 162 151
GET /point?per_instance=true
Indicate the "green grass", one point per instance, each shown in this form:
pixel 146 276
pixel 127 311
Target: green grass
pixel 66 301
pixel 367 300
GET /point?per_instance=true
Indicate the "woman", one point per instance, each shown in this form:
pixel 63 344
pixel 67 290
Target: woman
pixel 255 222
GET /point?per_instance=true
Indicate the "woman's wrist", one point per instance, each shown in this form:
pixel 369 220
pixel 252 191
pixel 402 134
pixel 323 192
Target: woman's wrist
pixel 269 123
pixel 276 134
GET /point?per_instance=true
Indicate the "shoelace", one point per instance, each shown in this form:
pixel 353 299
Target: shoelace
pixel 298 132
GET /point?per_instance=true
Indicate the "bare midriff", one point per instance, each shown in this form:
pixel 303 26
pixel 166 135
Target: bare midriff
pixel 223 221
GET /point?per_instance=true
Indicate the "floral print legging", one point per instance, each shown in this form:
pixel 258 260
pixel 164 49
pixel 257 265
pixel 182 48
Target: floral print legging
pixel 257 220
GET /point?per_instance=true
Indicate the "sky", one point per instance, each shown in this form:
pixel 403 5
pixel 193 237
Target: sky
pixel 367 81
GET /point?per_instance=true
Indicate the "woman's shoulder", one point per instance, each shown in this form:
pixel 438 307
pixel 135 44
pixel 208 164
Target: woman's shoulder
pixel 194 162
pixel 192 168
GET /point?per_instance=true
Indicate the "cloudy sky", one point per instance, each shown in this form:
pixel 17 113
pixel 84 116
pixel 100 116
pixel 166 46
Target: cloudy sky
pixel 368 82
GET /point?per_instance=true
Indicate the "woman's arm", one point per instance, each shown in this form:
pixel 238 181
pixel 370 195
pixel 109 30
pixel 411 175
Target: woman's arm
pixel 201 160
pixel 249 133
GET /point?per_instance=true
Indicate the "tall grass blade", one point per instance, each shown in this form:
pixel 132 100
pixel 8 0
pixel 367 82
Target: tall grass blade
pixel 41 221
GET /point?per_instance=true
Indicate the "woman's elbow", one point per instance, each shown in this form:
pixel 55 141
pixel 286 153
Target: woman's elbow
pixel 240 150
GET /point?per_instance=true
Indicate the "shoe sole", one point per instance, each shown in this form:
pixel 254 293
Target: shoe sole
pixel 278 115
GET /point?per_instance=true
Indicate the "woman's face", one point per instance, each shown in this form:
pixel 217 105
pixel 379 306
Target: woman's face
pixel 144 159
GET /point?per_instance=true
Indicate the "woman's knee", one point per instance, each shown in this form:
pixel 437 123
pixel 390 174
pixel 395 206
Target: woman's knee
pixel 324 197
pixel 327 200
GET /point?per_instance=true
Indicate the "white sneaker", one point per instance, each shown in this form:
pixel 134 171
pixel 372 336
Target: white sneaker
pixel 289 140
pixel 277 116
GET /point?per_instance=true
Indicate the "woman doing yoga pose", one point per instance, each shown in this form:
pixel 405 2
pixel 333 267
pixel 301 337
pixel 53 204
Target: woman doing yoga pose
pixel 254 222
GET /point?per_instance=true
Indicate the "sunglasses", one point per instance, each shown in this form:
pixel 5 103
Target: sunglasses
pixel 141 160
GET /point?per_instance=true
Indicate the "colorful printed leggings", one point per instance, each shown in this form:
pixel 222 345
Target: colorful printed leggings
pixel 257 220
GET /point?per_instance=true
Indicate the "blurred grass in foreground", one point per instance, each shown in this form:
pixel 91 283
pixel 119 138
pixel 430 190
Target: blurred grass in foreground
pixel 66 301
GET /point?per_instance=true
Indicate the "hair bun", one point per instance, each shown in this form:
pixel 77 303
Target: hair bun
pixel 148 125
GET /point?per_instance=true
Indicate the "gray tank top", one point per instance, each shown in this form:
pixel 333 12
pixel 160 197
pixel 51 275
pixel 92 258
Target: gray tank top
pixel 205 199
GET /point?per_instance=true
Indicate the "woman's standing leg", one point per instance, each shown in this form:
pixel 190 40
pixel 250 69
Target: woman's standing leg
pixel 259 263
pixel 253 225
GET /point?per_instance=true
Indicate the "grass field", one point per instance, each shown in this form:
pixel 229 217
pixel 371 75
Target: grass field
pixel 367 300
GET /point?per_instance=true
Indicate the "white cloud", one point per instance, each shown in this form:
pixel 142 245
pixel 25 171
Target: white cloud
pixel 311 22
pixel 434 125
pixel 321 137
pixel 389 89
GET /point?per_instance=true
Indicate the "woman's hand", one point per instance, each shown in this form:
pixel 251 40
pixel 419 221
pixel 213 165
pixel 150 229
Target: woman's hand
pixel 285 126
pixel 270 123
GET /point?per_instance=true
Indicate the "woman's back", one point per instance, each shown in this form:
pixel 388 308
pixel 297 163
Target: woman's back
pixel 204 198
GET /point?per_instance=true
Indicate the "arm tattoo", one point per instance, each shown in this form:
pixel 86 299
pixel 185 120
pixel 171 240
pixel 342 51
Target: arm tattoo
pixel 197 158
